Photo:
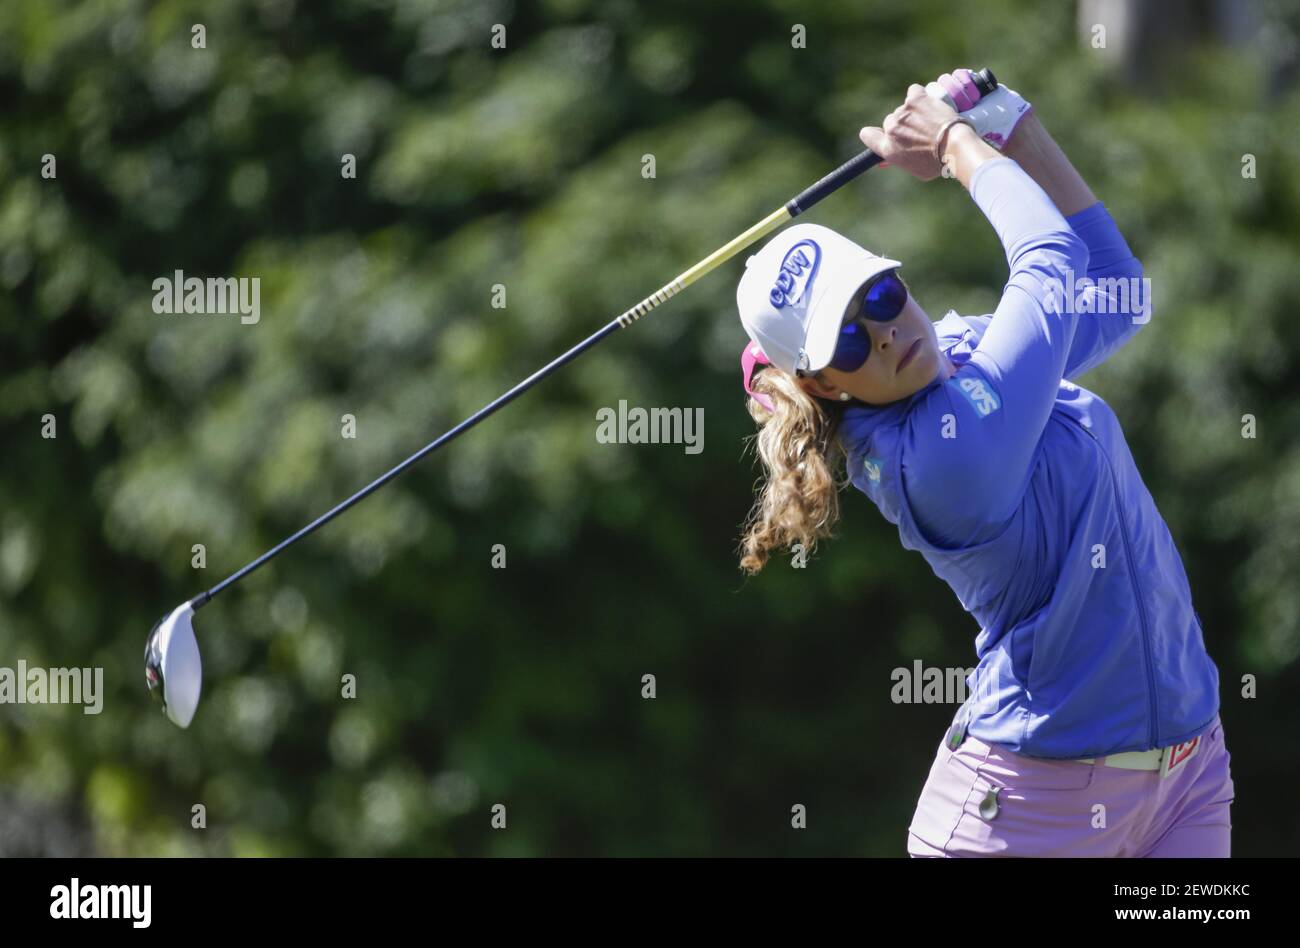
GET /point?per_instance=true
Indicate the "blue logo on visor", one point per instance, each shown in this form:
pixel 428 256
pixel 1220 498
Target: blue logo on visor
pixel 796 274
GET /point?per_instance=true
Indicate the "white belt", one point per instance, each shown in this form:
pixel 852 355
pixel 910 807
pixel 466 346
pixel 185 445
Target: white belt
pixel 1163 759
pixel 1131 760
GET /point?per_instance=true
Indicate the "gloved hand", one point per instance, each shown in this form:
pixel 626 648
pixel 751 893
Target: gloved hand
pixel 994 116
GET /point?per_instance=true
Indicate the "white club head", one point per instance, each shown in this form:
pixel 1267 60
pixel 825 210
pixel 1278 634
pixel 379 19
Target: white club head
pixel 172 667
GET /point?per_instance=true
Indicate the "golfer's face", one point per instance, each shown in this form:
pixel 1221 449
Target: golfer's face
pixel 904 359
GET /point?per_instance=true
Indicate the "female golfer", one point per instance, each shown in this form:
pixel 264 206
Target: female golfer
pixel 1092 724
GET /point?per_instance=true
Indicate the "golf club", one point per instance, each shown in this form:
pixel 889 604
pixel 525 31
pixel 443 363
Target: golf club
pixel 173 669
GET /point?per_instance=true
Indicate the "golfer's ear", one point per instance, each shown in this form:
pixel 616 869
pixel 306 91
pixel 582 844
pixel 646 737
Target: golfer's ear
pixel 816 385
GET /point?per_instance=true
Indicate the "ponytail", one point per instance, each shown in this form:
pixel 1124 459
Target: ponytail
pixel 799 447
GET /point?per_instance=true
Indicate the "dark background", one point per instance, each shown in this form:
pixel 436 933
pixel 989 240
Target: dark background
pixel 522 167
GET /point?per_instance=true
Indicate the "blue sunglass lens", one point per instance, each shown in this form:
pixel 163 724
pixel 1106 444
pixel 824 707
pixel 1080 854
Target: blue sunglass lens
pixel 884 300
pixel 852 349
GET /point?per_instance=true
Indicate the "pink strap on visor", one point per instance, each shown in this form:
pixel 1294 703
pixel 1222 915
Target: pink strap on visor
pixel 750 358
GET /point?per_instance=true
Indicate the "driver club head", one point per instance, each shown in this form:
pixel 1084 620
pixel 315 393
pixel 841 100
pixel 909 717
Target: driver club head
pixel 172 668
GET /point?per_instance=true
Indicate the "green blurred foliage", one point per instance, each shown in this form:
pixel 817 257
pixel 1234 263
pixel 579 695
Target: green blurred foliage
pixel 522 167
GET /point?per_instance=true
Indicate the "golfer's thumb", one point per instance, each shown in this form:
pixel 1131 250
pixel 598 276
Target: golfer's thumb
pixel 875 139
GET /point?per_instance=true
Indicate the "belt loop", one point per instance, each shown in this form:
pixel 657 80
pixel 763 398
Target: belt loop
pixel 957 731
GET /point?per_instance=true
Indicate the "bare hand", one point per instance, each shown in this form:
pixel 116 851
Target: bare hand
pixel 906 137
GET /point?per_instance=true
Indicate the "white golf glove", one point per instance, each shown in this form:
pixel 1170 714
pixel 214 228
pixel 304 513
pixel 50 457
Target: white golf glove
pixel 995 116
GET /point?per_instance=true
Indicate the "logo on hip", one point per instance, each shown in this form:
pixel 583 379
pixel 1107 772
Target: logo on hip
pixel 1179 754
pixel 795 277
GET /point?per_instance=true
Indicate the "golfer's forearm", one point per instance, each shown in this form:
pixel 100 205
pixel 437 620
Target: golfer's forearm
pixel 1034 150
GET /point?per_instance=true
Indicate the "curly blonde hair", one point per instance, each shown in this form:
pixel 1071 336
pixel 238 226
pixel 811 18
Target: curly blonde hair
pixel 801 452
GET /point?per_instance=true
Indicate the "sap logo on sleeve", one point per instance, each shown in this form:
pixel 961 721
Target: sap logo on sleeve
pixel 979 393
pixel 795 277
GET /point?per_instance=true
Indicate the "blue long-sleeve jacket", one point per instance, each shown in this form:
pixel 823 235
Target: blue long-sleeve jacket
pixel 1018 488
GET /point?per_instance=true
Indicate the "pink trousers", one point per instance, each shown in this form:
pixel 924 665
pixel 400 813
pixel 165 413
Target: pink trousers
pixel 982 800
